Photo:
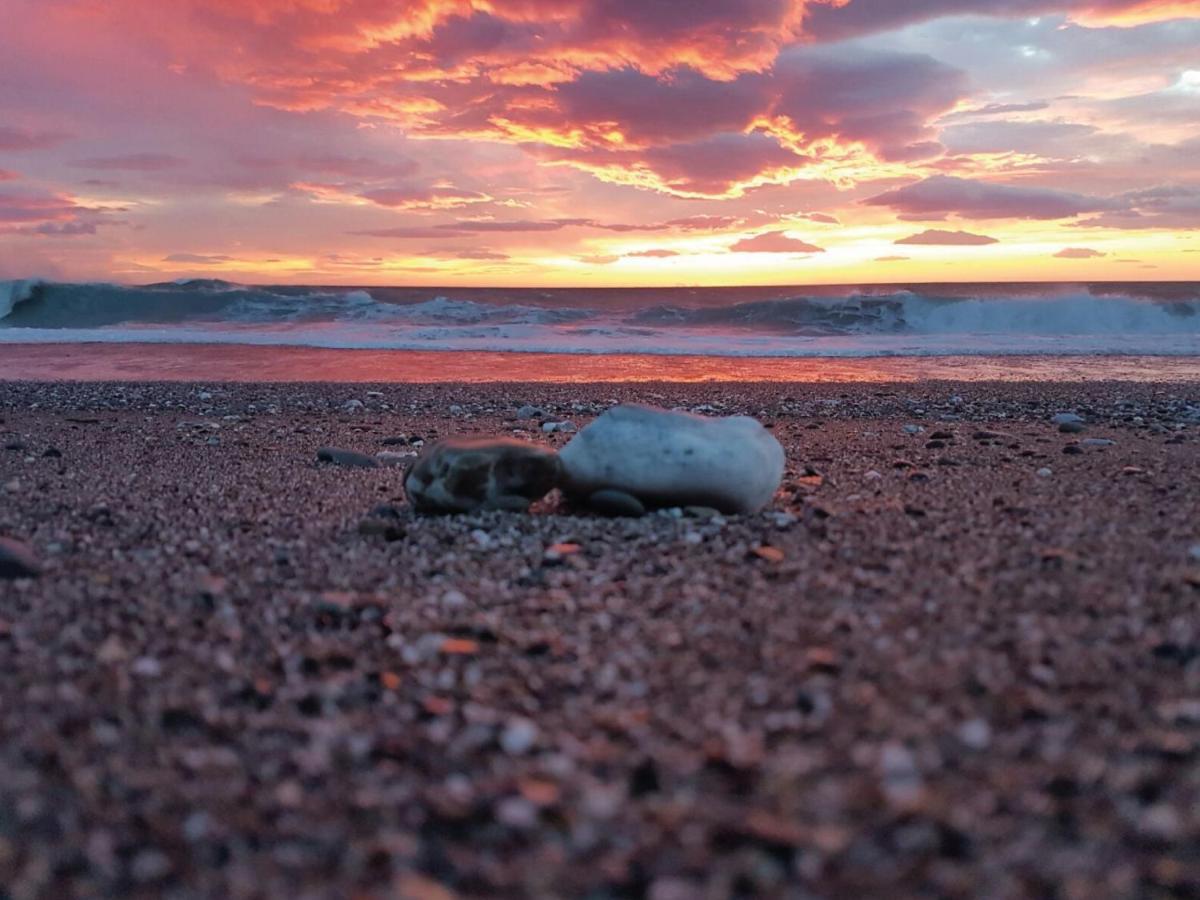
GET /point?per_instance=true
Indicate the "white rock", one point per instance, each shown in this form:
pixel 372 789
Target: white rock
pixel 676 459
pixel 1045 472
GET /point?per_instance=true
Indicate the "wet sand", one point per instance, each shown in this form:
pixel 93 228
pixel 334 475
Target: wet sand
pixel 927 669
pixel 247 363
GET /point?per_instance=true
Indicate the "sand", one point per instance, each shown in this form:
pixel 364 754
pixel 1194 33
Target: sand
pixel 963 665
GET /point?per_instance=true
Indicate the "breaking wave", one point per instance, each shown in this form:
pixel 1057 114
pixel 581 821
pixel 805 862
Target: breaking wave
pixel 991 319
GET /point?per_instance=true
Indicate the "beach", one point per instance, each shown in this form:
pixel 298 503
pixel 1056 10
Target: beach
pixel 957 656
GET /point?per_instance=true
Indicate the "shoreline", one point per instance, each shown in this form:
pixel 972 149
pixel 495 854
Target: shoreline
pixel 250 363
pixel 968 664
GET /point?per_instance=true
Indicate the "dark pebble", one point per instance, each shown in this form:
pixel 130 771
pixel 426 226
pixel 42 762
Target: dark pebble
pixel 397 441
pixel 616 503
pixel 17 560
pixel 14 445
pixel 1072 450
pixel 351 458
pixel 1071 427
pixel 52 453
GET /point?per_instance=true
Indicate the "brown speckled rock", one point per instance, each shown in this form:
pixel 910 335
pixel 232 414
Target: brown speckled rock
pixel 465 474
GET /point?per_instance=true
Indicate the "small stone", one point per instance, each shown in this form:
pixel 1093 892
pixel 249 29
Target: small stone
pixel 1045 472
pixel 1065 418
pixel 701 512
pixel 1097 442
pixel 204 395
pixel 352 405
pixel 1194 552
pixel 1072 450
pixel 400 440
pixel 530 412
pixel 976 734
pixel 15 446
pixel 455 410
pixel 563 427
pixel 17 560
pixel 350 458
pixel 616 504
pixel 393 458
pixel 913 429
pixel 516 812
pixel 1071 427
pixel 465 474
pixel 519 737
pixel 52 453
pixel 872 475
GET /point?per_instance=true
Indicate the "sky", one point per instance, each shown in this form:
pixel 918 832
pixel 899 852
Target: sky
pixel 600 142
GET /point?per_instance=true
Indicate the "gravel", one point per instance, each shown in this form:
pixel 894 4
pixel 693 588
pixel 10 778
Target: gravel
pixel 921 671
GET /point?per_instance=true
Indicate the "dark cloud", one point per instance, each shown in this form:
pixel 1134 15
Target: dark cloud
pixel 942 195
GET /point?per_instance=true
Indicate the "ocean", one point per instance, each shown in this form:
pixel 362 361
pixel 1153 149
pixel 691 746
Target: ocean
pixel 1135 319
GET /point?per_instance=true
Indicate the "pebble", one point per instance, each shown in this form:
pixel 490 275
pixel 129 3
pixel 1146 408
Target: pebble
pixel 17 559
pixel 1071 427
pixel 352 405
pixel 1045 472
pixel 1097 442
pixel 561 427
pixel 464 474
pixel 913 429
pixel 616 503
pixel 531 412
pixel 393 458
pixel 350 458
pixel 1066 418
pixel 976 734
pixel 519 737
pixel 1194 552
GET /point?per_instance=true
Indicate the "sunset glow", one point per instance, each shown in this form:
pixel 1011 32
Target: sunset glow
pixel 600 142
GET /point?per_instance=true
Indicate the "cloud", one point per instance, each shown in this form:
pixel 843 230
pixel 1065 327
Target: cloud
pixel 472 226
pixel 938 237
pixel 1078 253
pixel 774 242
pixel 942 195
pixel 37 206
pixel 16 139
pixel 5 175
pixel 482 254
pixel 823 218
pixel 424 197
pixel 1166 206
pixel 64 229
pixel 892 258
pixel 198 259
pixel 835 20
pixel 993 109
pixel 133 162
pixel 654 254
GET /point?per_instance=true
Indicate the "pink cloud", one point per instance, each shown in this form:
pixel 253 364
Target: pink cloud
pixel 654 254
pixel 5 175
pixel 938 237
pixel 774 242
pixel 1078 253
pixel 424 197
